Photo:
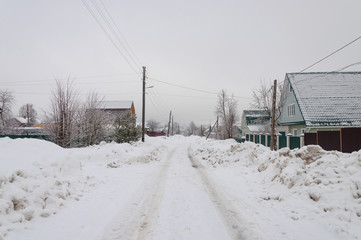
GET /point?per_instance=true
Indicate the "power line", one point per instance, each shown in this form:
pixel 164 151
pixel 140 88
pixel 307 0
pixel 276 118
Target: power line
pixel 324 74
pixel 111 28
pixel 137 62
pixel 329 55
pixel 180 86
pixel 41 81
pixel 108 35
pixel 193 89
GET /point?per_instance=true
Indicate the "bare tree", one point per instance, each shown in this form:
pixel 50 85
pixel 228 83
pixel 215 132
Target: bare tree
pixel 91 122
pixel 152 125
pixel 227 111
pixel 6 101
pixel 29 113
pixel 177 129
pixel 64 106
pixel 262 99
pixel 192 129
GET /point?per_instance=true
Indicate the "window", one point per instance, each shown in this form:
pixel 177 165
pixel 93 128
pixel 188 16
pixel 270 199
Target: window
pixel 303 130
pixel 291 110
pixel 295 132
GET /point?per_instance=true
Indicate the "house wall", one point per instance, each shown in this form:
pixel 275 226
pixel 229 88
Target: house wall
pixel 244 127
pixel 290 99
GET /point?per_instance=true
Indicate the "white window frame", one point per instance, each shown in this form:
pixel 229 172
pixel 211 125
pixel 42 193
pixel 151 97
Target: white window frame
pixel 291 110
pixel 303 130
pixel 295 132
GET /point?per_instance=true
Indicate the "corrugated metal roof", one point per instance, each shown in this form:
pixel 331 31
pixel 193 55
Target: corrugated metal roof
pixel 328 99
pixel 115 105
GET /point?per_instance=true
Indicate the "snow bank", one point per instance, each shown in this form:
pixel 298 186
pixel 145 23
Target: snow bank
pixel 37 178
pixel 326 184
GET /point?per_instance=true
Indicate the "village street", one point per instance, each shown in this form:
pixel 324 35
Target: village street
pixel 176 188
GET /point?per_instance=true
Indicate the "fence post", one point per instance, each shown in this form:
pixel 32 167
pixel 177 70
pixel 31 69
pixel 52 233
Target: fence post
pixel 288 140
pixel 278 141
pixel 302 140
pixel 266 139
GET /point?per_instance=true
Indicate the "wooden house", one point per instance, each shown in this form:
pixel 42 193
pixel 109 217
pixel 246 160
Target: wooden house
pixel 320 101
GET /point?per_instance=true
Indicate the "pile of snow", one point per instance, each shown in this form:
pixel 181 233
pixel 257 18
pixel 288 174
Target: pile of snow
pixel 37 178
pixel 296 190
pixel 313 181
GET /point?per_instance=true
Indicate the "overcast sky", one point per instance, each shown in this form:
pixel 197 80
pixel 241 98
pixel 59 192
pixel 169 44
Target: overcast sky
pixel 203 44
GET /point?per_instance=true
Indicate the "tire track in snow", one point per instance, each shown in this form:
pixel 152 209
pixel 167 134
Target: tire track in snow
pixel 237 226
pixel 135 219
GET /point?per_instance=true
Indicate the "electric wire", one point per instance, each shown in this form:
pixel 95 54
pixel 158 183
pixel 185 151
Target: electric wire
pixel 329 55
pixel 193 89
pixel 72 78
pixel 324 74
pixel 137 62
pixel 157 99
pixel 109 37
pixel 111 28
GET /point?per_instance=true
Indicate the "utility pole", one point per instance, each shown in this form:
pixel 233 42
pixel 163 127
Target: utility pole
pixel 170 115
pixel 216 123
pixel 27 115
pixel 143 106
pixel 217 132
pixel 172 126
pixel 273 131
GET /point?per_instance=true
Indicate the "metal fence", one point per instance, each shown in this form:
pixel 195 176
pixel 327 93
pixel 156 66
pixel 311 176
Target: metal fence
pixel 44 137
pixel 345 140
pixel 282 141
pixel 350 139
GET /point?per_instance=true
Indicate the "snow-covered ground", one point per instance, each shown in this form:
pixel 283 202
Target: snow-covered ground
pixel 177 188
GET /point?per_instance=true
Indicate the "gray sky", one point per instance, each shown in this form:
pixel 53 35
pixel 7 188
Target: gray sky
pixel 203 44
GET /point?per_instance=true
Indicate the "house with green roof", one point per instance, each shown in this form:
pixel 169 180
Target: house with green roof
pixel 320 101
pixel 255 122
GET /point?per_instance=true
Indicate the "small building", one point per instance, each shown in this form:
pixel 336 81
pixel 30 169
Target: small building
pixel 321 101
pixel 117 108
pixel 17 122
pixel 255 122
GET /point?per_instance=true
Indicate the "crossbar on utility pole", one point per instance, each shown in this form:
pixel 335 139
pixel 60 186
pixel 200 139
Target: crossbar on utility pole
pixel 273 131
pixel 143 106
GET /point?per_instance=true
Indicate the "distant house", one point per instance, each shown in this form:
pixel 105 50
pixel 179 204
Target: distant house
pixel 320 101
pixel 17 122
pixel 117 108
pixel 255 122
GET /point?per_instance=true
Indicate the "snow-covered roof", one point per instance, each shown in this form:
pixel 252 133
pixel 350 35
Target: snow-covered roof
pixel 256 128
pixel 328 99
pixel 21 120
pixel 255 113
pixel 115 105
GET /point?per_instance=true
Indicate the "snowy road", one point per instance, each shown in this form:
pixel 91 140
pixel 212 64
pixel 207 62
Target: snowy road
pixel 179 201
pixel 177 188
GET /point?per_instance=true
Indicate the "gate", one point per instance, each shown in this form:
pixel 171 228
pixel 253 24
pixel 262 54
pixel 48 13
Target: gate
pixel 310 139
pixel 350 139
pixel 329 140
pixel 282 141
pixel 295 142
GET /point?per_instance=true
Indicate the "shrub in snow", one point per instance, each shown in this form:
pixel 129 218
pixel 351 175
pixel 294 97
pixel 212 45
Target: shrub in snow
pixel 126 129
